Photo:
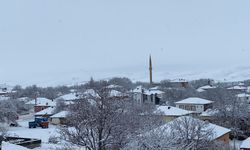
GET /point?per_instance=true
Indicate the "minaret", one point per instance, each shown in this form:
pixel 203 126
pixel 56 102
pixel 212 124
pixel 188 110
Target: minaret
pixel 150 70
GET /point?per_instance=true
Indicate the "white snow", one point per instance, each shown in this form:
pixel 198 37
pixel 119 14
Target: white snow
pixel 194 100
pixel 172 111
pixel 9 146
pixel 246 143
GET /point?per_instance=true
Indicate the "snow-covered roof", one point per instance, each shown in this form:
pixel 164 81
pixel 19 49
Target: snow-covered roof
pixel 246 144
pixel 115 93
pixel 68 97
pixel 218 131
pixel 172 111
pixel 206 87
pixel 61 114
pixel 9 146
pixel 237 87
pixel 91 92
pixel 200 90
pixel 40 101
pixel 178 80
pixel 138 89
pixel 47 111
pixel 150 91
pixel 243 95
pixel 209 112
pixel 194 100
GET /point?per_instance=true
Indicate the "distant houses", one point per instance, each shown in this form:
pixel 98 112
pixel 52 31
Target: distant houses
pixel 195 104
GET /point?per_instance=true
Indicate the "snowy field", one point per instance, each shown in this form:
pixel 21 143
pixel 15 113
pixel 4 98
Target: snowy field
pixel 38 133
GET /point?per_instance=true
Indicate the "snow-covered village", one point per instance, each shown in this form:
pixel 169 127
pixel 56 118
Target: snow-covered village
pixel 124 75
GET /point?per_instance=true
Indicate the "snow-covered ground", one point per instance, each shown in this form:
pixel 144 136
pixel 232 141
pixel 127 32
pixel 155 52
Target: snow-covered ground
pixel 37 133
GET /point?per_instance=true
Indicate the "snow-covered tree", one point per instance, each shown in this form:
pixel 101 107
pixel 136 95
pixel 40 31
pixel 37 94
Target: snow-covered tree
pixel 101 122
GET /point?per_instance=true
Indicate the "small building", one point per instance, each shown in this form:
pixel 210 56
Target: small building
pixel 169 112
pixel 195 104
pixel 243 97
pixel 206 88
pixel 245 145
pixel 209 115
pixel 41 103
pixel 179 83
pixel 238 88
pixel 46 112
pixel 150 96
pixel 59 118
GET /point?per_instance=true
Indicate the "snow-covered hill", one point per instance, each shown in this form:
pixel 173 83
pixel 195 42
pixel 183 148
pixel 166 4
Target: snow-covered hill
pixel 82 76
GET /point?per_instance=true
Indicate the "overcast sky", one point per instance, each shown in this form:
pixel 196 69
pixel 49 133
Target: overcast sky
pixel 50 37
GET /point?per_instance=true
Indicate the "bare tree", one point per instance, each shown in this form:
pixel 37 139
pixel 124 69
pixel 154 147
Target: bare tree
pixel 100 122
pixel 184 133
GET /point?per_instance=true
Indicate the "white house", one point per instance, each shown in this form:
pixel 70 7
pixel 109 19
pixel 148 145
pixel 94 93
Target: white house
pixel 195 104
pixel 243 97
pixel 59 118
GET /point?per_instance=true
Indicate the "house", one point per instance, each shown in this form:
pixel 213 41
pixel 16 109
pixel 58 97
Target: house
pixel 238 88
pixel 46 112
pixel 169 112
pixel 209 115
pixel 5 89
pixel 152 95
pixel 205 88
pixel 245 145
pixel 196 104
pixel 179 83
pixel 243 97
pixel 41 103
pixel 59 118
